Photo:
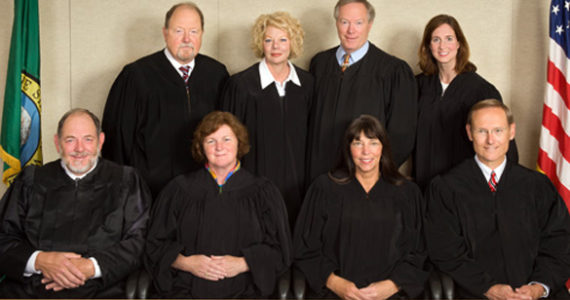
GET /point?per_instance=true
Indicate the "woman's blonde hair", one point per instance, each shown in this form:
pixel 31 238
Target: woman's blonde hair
pixel 282 21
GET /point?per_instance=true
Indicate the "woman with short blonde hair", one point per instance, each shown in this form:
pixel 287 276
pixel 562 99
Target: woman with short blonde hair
pixel 273 98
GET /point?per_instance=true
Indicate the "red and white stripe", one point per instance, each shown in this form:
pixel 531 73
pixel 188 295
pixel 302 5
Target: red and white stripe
pixel 554 152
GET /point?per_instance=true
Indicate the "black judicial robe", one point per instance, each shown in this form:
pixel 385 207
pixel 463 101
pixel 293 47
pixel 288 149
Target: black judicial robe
pixel 103 215
pixel 192 216
pixel 149 118
pixel 361 237
pixel 277 128
pixel 441 141
pixel 379 84
pixel 519 234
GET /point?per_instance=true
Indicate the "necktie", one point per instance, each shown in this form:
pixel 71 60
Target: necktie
pixel 345 62
pixel 185 70
pixel 493 182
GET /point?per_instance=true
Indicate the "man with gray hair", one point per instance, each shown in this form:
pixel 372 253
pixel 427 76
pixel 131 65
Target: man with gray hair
pixel 358 78
pixel 157 101
pixel 75 227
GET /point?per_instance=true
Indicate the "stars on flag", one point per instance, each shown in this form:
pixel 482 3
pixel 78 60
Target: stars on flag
pixel 555 10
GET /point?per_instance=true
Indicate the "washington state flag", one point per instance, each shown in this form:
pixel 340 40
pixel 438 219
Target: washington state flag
pixel 20 141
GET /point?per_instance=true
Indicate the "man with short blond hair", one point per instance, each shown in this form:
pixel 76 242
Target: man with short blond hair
pixel 75 227
pixel 500 230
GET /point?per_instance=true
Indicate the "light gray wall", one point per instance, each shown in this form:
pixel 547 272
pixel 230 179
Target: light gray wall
pixel 85 44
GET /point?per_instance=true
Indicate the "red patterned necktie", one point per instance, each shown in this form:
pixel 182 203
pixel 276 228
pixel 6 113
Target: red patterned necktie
pixel 185 70
pixel 345 62
pixel 493 182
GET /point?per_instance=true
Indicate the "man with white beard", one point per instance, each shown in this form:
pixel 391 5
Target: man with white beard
pixel 75 227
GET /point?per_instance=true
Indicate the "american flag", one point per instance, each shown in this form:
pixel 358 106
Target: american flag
pixel 554 152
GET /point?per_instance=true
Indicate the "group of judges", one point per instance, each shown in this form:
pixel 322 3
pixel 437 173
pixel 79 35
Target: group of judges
pixel 288 169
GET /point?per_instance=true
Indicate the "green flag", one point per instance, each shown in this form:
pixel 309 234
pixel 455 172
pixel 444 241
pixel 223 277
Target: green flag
pixel 20 142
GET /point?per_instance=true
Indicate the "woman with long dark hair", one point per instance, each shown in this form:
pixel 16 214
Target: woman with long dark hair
pixel 359 233
pixel 447 88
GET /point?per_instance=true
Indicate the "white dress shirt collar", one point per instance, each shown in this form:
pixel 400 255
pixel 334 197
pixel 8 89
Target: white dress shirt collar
pixel 176 65
pixel 487 171
pixel 266 78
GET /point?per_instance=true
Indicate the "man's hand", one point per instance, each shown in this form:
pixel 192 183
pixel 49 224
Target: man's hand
pixel 57 268
pixel 380 290
pixel 232 265
pixel 528 292
pixel 343 288
pixel 501 292
pixel 51 285
pixel 85 265
pixel 201 266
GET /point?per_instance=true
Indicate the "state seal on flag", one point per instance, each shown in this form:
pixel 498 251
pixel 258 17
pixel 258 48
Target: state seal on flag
pixel 30 125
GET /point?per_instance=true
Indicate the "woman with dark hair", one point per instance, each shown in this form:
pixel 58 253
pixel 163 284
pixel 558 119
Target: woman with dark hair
pixel 447 88
pixel 272 98
pixel 219 232
pixel 359 233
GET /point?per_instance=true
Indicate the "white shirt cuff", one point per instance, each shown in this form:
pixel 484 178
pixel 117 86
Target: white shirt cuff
pixel 546 288
pixel 30 265
pixel 97 268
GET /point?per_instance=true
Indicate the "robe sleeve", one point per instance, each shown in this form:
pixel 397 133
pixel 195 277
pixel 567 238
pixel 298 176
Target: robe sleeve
pixel 273 256
pixel 121 118
pixel 308 239
pixel 312 66
pixel 447 247
pixel 552 264
pixel 15 249
pixel 409 273
pixel 163 246
pixel 401 112
pixel 234 98
pixel 124 257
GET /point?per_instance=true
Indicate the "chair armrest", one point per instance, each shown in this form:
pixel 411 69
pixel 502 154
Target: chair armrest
pixel 298 284
pixel 448 286
pixel 143 284
pixel 131 285
pixel 283 284
pixel 435 285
